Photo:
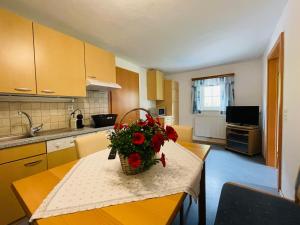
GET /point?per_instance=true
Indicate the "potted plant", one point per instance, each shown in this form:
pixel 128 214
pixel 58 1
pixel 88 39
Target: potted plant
pixel 139 144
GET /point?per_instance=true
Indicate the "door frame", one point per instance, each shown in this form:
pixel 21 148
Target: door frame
pixel 277 52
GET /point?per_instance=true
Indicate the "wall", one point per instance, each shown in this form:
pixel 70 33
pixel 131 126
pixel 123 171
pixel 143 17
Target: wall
pixel 248 85
pixel 144 102
pixel 53 115
pixel 289 24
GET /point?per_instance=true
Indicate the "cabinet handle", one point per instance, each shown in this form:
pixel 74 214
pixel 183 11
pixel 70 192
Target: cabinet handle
pixel 48 91
pixel 93 77
pixel 23 89
pixel 33 163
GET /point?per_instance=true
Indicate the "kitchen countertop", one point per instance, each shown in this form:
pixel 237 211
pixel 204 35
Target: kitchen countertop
pixel 47 137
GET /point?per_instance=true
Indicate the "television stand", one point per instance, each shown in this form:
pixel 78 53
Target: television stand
pixel 243 139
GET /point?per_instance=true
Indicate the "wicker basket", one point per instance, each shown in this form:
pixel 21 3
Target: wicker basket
pixel 127 169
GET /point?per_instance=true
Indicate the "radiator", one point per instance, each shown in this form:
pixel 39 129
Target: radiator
pixel 210 125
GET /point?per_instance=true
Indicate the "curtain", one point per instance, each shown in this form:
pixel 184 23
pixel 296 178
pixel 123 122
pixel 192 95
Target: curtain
pixel 197 88
pixel 227 93
pixel 226 89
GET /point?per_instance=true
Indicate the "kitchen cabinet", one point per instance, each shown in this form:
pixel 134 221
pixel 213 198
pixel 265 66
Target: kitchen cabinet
pixel 18 162
pixel 16 54
pixel 100 64
pixel 171 101
pixel 21 152
pixel 59 62
pixel 155 85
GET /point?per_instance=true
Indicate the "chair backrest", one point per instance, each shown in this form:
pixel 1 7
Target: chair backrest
pixel 185 133
pixel 88 144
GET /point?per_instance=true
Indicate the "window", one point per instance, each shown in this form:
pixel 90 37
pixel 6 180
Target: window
pixel 212 94
pixel 212 97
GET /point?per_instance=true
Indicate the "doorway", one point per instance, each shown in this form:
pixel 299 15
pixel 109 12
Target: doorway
pixel 126 98
pixel 275 106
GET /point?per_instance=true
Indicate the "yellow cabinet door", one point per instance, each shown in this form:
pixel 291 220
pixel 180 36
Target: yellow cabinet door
pixel 10 208
pixel 100 64
pixel 155 85
pixel 17 74
pixel 159 85
pixel 59 63
pixel 61 157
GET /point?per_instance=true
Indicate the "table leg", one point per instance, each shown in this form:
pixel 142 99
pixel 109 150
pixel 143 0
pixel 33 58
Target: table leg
pixel 191 200
pixel 202 199
pixel 181 214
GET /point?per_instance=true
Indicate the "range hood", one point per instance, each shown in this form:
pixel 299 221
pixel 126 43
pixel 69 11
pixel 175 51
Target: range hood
pixel 96 85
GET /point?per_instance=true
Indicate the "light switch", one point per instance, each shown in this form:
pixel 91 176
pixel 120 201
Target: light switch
pixel 285 114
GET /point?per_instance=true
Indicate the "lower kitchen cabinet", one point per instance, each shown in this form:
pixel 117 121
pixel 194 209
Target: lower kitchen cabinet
pixel 26 160
pixel 62 156
pixel 10 208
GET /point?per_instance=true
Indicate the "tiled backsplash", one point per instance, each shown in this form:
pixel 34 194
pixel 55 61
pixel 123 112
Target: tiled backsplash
pixel 52 115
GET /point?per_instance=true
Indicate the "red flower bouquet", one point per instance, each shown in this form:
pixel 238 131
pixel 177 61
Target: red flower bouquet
pixel 139 144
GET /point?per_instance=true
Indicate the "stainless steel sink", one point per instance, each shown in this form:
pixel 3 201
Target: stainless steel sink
pixel 57 131
pixel 41 133
pixel 13 138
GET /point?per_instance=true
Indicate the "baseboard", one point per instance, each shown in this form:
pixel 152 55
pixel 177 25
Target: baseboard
pixel 212 141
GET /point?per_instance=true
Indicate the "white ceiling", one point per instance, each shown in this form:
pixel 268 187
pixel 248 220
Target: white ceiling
pixel 171 35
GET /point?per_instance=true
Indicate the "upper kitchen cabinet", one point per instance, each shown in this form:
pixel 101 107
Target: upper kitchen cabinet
pixel 155 85
pixel 16 54
pixel 100 64
pixel 59 61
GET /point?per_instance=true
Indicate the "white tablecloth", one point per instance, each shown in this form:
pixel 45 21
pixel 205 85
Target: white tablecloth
pixel 96 182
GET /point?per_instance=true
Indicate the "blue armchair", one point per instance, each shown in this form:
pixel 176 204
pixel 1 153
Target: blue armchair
pixel 241 205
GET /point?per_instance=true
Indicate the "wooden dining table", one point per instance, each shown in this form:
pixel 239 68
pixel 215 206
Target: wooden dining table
pixel 31 191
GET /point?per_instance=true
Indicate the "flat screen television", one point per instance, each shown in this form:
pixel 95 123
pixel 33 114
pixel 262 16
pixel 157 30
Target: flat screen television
pixel 242 115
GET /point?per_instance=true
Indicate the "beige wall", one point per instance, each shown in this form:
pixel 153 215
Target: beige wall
pixel 53 115
pixel 289 24
pixel 248 85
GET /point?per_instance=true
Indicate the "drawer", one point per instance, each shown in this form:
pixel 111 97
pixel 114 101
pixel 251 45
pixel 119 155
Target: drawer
pixel 21 152
pixel 10 208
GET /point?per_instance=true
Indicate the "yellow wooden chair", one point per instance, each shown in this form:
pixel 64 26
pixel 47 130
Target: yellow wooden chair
pixel 185 133
pixel 88 144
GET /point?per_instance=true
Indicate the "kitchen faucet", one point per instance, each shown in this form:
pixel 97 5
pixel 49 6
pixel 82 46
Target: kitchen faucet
pixel 32 130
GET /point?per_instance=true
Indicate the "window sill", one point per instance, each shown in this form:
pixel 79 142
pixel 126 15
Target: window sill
pixel 210 113
pixel 211 110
